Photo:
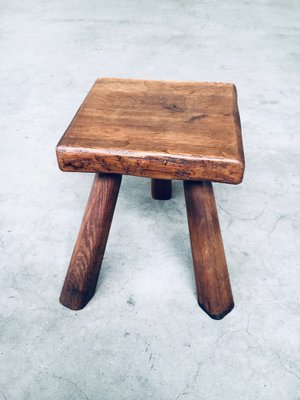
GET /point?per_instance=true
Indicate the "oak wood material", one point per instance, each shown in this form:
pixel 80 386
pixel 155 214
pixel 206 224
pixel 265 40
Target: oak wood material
pixel 156 129
pixel 161 189
pixel 85 264
pixel 212 279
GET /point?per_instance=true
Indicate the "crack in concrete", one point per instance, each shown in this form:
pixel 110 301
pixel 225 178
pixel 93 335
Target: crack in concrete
pixel 191 387
pixel 267 347
pixel 256 217
pixel 71 382
pixel 284 367
pixel 3 395
pixel 227 213
pixel 183 392
pixel 275 224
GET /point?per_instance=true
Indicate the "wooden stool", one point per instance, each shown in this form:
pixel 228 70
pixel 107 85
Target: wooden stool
pixel 160 130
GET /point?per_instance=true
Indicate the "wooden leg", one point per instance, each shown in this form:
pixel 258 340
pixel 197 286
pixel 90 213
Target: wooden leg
pixel 85 264
pixel 161 189
pixel 212 279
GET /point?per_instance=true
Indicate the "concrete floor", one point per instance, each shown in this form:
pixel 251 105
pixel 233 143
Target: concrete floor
pixel 143 336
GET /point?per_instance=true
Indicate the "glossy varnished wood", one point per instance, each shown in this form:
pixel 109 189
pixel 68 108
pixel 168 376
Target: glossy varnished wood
pixel 84 268
pixel 156 129
pixel 212 279
pixel 161 189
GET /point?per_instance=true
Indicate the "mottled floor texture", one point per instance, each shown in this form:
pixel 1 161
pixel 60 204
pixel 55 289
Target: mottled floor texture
pixel 143 335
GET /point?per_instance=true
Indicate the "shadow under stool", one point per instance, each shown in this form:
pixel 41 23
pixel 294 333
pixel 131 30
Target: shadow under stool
pixel 162 130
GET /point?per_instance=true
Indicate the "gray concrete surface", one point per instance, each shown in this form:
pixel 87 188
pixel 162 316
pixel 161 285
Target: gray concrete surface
pixel 143 335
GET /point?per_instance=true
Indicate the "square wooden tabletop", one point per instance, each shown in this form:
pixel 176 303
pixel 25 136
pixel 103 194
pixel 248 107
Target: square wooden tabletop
pixel 156 129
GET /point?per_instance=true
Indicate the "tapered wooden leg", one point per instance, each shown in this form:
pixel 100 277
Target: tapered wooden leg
pixel 161 189
pixel 85 264
pixel 212 279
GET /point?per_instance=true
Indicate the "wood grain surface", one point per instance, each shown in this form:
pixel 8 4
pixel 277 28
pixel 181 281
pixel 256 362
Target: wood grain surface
pixel 212 279
pixel 85 264
pixel 161 189
pixel 156 129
